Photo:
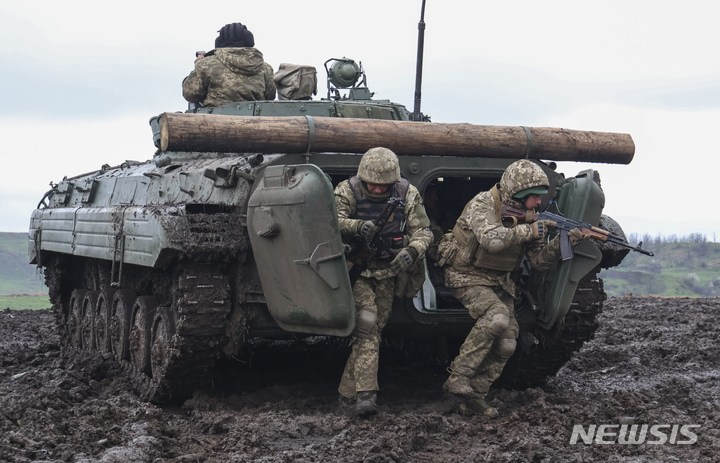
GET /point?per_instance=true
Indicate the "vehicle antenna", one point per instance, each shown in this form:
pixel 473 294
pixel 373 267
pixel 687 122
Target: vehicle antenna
pixel 416 114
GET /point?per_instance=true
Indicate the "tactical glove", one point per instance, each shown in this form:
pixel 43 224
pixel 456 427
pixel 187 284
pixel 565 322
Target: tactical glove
pixel 404 260
pixel 576 236
pixel 367 230
pixel 540 228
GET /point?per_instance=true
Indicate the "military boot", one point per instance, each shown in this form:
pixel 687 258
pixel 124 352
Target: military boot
pixel 366 403
pixel 477 406
pixel 458 385
pixel 346 402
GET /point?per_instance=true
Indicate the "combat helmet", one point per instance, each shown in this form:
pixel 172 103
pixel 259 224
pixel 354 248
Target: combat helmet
pixel 379 166
pixel 522 178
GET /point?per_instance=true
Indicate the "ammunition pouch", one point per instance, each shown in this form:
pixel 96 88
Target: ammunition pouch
pixel 446 250
pixel 407 284
pixel 393 241
pixel 472 255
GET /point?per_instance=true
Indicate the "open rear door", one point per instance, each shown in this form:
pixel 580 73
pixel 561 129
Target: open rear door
pixel 294 233
pixel 583 200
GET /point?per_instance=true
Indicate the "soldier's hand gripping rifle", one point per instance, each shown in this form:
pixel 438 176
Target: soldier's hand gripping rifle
pixel 368 251
pixel 564 225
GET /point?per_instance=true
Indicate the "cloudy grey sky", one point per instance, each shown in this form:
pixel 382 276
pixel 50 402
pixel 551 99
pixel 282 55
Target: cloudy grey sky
pixel 82 79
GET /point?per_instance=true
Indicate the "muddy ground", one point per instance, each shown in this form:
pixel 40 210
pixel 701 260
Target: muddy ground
pixel 654 362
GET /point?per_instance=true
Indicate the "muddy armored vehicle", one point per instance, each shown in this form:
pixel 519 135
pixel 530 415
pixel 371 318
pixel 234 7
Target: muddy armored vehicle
pixel 229 233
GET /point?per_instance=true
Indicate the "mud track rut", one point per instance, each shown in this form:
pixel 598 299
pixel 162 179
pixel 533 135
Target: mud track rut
pixel 653 361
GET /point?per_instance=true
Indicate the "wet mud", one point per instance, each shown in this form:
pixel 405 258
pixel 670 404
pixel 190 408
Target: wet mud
pixel 646 389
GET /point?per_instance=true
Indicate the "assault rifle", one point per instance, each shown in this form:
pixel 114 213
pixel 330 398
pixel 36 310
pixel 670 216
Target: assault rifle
pixel 367 252
pixel 564 225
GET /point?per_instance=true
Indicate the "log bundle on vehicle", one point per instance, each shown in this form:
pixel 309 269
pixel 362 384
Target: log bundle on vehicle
pixel 258 134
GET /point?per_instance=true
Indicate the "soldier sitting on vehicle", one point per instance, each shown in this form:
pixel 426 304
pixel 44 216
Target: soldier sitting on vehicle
pixel 233 71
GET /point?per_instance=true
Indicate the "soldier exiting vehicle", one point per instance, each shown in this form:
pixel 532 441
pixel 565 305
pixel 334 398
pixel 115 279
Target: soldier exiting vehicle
pixel 397 267
pixel 479 256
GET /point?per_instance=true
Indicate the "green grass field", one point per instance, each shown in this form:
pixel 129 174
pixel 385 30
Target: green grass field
pixel 24 302
pixel 677 269
pixel 17 276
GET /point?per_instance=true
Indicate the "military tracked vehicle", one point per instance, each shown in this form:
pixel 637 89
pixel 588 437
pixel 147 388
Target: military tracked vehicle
pixel 229 233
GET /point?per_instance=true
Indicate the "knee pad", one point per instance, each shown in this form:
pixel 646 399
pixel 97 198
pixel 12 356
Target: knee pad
pixel 499 322
pixel 366 323
pixel 506 347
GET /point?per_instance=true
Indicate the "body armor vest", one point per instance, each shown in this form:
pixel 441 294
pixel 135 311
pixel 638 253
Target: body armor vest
pixel 470 254
pixel 392 233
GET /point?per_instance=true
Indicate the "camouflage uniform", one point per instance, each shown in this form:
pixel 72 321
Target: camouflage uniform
pixel 479 255
pixel 375 288
pixel 230 74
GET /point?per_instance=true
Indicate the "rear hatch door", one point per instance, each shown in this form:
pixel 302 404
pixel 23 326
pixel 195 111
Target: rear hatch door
pixel 294 233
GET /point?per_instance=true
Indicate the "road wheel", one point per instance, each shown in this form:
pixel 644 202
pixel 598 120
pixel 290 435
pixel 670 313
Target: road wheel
pixel 120 312
pixel 102 320
pixel 143 313
pixel 161 333
pixel 87 320
pixel 74 318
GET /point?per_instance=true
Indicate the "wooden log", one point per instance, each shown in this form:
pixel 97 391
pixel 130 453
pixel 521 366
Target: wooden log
pixel 258 134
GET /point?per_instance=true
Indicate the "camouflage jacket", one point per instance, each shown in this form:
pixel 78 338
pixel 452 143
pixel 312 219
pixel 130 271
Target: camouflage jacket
pixel 230 74
pixel 495 241
pixel 417 229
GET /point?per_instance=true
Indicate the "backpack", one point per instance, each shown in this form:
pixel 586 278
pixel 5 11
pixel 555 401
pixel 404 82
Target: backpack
pixel 296 82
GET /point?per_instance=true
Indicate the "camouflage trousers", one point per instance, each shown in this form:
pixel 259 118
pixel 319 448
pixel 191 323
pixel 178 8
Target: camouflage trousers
pixel 491 342
pixel 376 297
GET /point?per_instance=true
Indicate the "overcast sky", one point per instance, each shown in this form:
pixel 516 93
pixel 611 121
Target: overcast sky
pixel 83 78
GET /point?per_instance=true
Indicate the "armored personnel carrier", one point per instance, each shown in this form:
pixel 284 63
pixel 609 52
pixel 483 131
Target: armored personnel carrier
pixel 229 233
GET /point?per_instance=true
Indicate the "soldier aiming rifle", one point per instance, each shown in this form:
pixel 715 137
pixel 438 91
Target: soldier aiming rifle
pixel 516 215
